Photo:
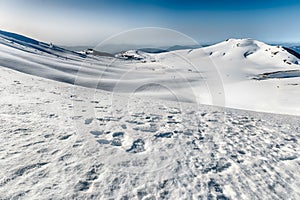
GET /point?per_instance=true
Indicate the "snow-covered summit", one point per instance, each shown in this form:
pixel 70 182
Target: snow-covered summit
pixel 253 50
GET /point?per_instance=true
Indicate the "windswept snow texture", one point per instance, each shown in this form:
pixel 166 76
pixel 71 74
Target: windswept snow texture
pixel 224 74
pixel 60 141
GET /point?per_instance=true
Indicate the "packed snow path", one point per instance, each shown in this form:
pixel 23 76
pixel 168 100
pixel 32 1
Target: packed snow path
pixel 61 141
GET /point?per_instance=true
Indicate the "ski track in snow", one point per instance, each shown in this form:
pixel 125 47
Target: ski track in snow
pixel 61 141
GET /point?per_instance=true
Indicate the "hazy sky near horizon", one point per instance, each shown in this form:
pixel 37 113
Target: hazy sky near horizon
pixel 88 22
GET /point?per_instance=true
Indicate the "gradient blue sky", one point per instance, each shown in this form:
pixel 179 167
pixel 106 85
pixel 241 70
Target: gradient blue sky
pixel 88 22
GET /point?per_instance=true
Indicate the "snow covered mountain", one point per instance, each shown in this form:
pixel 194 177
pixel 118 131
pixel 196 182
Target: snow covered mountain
pixel 237 73
pixel 144 134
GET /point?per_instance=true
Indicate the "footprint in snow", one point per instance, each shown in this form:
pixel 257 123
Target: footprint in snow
pixel 88 121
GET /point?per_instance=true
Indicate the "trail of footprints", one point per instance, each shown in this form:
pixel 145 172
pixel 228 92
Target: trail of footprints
pixel 215 154
pixel 137 122
pixel 220 151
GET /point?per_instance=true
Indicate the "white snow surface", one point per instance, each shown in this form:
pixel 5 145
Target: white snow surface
pixel 61 141
pixel 138 129
pixel 225 74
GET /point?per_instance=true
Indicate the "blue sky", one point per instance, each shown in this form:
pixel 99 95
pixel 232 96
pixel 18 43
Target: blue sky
pixel 88 22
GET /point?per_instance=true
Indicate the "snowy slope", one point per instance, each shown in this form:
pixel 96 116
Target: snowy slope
pixel 234 66
pixel 60 141
pixel 226 74
pixel 30 45
pixel 144 133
